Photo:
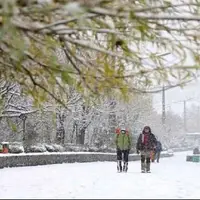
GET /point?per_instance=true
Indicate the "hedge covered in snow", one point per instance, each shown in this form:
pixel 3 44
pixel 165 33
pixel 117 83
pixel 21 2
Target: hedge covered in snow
pixel 39 148
pixel 34 159
pixel 16 147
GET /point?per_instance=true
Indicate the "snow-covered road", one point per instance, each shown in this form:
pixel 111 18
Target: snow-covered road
pixel 171 178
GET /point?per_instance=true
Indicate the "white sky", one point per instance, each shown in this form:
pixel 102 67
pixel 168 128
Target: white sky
pixel 192 90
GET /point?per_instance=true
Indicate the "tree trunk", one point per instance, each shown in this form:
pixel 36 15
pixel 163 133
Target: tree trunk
pixel 60 133
pixel 74 132
pixel 80 137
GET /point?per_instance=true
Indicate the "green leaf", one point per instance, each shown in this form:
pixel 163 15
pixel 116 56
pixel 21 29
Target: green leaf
pixel 12 125
pixel 66 78
pixel 132 14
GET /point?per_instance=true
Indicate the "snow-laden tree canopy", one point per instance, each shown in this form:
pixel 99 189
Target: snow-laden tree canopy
pixel 108 46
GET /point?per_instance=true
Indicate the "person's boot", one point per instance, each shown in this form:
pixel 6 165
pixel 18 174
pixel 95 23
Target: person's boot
pixel 119 166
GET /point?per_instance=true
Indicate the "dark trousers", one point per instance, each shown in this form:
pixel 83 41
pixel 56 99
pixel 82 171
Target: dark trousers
pixel 145 160
pixel 158 156
pixel 122 154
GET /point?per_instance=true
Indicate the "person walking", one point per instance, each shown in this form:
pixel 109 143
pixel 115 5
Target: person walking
pixel 123 143
pixel 158 151
pixel 145 144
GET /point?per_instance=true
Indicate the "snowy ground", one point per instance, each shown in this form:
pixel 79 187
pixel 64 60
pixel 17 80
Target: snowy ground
pixel 171 178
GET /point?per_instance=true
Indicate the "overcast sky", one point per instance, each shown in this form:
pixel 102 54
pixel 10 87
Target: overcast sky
pixel 192 90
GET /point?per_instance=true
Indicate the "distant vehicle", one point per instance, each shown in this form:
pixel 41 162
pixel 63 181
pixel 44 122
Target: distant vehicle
pixel 170 151
pixel 164 148
pixel 196 151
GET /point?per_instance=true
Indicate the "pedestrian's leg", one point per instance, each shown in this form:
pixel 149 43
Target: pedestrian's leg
pixel 153 156
pixel 148 161
pixel 119 160
pixel 123 160
pixel 143 163
pixel 126 154
pixel 158 156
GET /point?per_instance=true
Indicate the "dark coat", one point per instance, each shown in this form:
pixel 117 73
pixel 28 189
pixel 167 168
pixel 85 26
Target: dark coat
pixel 158 146
pixel 151 144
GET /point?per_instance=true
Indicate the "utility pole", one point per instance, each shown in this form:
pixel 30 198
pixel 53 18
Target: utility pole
pixel 163 106
pixel 185 116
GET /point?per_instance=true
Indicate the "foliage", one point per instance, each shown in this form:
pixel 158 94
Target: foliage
pixel 97 46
